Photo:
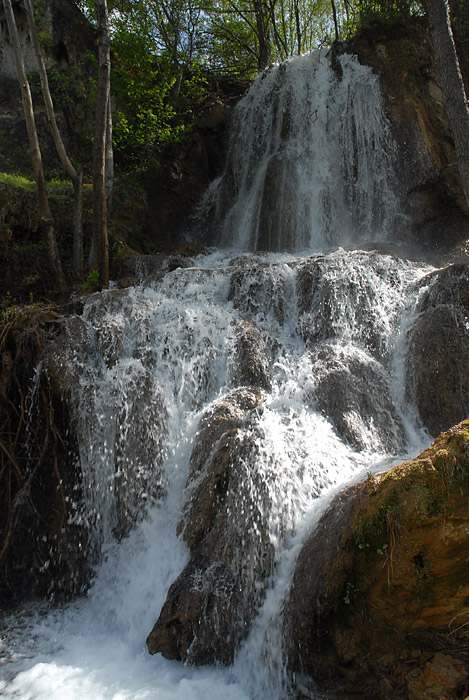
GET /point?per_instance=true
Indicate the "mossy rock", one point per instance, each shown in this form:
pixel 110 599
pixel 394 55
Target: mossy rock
pixel 381 581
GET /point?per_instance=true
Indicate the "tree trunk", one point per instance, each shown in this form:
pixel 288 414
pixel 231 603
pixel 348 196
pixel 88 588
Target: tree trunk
pixel 45 216
pixel 78 223
pixel 336 24
pixel 109 167
pixel 452 85
pixel 100 245
pixel 298 27
pixel 262 35
pixel 76 177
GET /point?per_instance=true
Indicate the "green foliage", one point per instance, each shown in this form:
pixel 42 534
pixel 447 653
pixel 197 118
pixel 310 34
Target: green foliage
pixel 368 11
pixel 152 97
pixel 23 183
pixel 18 181
pixel 92 282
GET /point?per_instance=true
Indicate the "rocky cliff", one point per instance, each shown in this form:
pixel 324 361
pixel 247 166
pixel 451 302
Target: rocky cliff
pixel 435 215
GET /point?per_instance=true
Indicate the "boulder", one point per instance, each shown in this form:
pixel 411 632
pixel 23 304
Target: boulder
pixel 210 605
pixel 352 389
pixel 251 365
pixel 438 356
pixel 379 598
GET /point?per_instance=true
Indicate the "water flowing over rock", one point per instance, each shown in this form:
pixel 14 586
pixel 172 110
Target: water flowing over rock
pixel 207 609
pixel 353 391
pixel 384 571
pixel 309 161
pixel 236 511
pixel 252 365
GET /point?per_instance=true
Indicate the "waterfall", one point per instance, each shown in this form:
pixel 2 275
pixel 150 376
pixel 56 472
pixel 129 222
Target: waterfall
pixel 317 344
pixel 310 161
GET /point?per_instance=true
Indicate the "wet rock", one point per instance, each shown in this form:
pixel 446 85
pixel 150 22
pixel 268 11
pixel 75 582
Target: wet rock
pixel 139 447
pixel 139 421
pixel 442 677
pixel 69 343
pixel 39 480
pixel 251 362
pixel 352 389
pixel 338 299
pixel 432 200
pixel 257 289
pixel 138 266
pixel 204 592
pixel 381 586
pixel 438 376
pixel 209 607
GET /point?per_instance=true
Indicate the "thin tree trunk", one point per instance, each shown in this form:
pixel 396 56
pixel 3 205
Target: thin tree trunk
pixel 76 177
pixel 78 223
pixel 109 167
pixel 262 35
pixel 298 27
pixel 336 24
pixel 282 48
pixel 452 85
pixel 100 246
pixel 45 216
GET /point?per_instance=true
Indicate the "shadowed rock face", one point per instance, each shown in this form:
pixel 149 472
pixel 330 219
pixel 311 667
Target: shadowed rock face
pixel 251 363
pixel 378 602
pixel 352 389
pixel 205 614
pixel 438 374
pixel 40 480
pixel 431 195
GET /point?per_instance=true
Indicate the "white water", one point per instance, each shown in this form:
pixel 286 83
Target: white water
pixel 309 163
pixel 157 355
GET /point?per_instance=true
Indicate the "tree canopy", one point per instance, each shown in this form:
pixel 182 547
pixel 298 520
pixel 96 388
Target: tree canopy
pixel 163 51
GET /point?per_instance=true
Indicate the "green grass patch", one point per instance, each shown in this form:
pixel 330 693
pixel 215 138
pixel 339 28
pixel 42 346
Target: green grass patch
pixel 24 183
pixel 18 181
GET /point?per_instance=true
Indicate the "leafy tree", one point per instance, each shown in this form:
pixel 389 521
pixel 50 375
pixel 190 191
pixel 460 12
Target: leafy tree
pixel 385 10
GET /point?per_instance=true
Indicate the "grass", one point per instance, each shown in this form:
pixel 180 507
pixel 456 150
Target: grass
pixel 18 181
pixel 24 183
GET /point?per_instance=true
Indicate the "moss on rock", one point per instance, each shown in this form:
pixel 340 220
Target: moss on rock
pixel 381 581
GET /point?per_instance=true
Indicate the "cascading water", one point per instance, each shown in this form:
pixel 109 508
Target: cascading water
pixel 157 360
pixel 309 163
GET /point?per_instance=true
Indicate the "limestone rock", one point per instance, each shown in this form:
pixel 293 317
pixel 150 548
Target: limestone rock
pixel 432 200
pixel 352 390
pixel 209 607
pixel 251 362
pixel 438 376
pixel 381 585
